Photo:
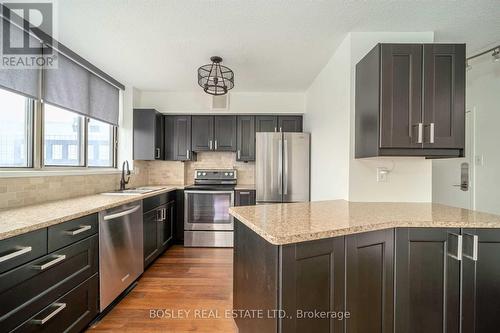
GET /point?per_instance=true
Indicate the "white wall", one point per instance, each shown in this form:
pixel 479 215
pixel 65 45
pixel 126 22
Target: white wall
pixel 330 118
pixel 483 87
pixel 239 102
pixel 125 129
pixel 411 178
pixel 327 118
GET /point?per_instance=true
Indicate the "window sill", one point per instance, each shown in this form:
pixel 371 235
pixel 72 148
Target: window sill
pixel 57 172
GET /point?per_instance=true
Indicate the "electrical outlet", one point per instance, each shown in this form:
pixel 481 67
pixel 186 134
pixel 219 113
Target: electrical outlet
pixel 382 174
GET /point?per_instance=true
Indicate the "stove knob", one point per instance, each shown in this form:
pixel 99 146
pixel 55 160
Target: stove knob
pixel 231 174
pixel 225 174
pixel 204 174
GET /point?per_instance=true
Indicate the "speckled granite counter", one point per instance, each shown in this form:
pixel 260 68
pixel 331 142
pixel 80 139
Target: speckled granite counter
pixel 21 220
pixel 289 223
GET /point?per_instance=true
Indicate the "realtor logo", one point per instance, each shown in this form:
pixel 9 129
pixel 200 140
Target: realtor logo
pixel 23 27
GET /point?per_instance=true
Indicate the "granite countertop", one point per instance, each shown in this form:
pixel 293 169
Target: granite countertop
pixel 287 223
pixel 21 220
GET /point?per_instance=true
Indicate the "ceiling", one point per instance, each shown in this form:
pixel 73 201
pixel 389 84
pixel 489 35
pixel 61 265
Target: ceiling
pixel 272 45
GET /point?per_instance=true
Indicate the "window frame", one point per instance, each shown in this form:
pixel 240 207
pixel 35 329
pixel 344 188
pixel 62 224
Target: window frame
pixel 36 142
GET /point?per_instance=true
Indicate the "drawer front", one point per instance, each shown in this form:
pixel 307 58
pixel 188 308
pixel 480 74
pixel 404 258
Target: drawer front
pixel 19 250
pixel 153 202
pixel 67 233
pixel 70 313
pixel 28 289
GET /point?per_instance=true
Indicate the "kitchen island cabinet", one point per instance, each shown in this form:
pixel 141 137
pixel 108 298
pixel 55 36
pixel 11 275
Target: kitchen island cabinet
pixel 336 266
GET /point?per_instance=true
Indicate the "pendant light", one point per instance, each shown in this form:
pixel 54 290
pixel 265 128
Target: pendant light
pixel 214 78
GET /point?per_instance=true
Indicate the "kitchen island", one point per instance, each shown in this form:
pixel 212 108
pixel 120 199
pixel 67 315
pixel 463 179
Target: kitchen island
pixel 332 266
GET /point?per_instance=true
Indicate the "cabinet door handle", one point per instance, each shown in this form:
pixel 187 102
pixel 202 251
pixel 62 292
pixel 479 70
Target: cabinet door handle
pixel 82 228
pixel 244 193
pixel 276 129
pixel 187 154
pixel 281 129
pixel 16 253
pixel 475 244
pixel 215 144
pixel 420 134
pixel 157 152
pixel 159 216
pixel 239 154
pixel 210 144
pixel 59 308
pixel 431 134
pixel 164 210
pixel 51 263
pixel 458 254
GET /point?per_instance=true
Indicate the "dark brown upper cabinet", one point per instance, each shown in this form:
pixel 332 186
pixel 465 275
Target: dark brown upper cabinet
pixel 148 135
pixel 290 123
pixel 266 123
pixel 213 133
pixel 202 133
pixel 225 133
pixel 444 96
pixel 410 101
pixel 245 141
pixel 178 138
pixel 278 123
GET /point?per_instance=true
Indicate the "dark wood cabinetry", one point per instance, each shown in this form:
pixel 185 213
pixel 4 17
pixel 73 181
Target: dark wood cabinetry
pixel 216 133
pixel 427 280
pixel 245 141
pixel 158 225
pixel 266 123
pixel 244 197
pixel 481 276
pixel 178 138
pixel 444 96
pixel 278 123
pixel 369 281
pixel 57 279
pixel 148 135
pixel 313 280
pixel 290 123
pixel 202 133
pixel 410 101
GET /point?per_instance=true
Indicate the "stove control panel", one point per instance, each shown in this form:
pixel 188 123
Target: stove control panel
pixel 215 174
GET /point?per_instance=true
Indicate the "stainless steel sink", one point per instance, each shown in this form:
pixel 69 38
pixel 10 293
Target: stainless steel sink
pixel 134 191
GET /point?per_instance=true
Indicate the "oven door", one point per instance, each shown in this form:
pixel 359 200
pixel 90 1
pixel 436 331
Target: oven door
pixel 208 210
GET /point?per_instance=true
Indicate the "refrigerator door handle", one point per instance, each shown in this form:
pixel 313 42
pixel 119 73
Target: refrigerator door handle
pixel 285 167
pixel 280 166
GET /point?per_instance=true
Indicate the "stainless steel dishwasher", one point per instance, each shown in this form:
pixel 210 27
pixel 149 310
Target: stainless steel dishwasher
pixel 121 259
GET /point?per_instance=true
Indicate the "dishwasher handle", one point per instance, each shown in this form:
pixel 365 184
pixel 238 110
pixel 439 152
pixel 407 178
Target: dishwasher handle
pixel 120 214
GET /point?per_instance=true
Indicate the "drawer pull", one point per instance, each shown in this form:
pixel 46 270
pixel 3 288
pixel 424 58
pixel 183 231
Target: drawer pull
pixel 51 263
pixel 16 253
pixel 59 308
pixel 82 228
pixel 244 193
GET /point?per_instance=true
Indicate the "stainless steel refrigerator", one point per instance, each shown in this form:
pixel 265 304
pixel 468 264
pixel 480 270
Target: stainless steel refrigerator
pixel 282 167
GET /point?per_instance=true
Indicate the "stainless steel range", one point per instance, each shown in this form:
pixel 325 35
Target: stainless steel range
pixel 207 222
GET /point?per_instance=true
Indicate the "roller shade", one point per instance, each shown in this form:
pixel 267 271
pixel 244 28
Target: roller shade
pixel 67 85
pixel 21 80
pixel 104 100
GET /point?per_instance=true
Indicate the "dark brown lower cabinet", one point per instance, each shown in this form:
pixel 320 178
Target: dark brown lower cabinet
pixel 70 313
pixel 244 197
pixel 403 280
pixel 481 280
pixel 312 281
pixel 369 281
pixel 427 280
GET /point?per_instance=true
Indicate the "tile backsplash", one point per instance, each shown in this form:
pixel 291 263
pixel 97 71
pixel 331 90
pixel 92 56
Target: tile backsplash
pixel 23 191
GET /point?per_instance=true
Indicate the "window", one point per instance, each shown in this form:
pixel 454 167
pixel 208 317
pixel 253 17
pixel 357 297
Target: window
pixel 100 144
pixel 63 137
pixel 15 130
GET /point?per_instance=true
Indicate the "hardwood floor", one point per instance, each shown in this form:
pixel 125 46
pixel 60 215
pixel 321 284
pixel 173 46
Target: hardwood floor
pixel 183 281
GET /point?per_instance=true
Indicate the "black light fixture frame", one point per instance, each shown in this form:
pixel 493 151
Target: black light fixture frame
pixel 214 78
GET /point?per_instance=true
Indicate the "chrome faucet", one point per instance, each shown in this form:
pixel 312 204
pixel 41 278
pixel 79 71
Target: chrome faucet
pixel 124 182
